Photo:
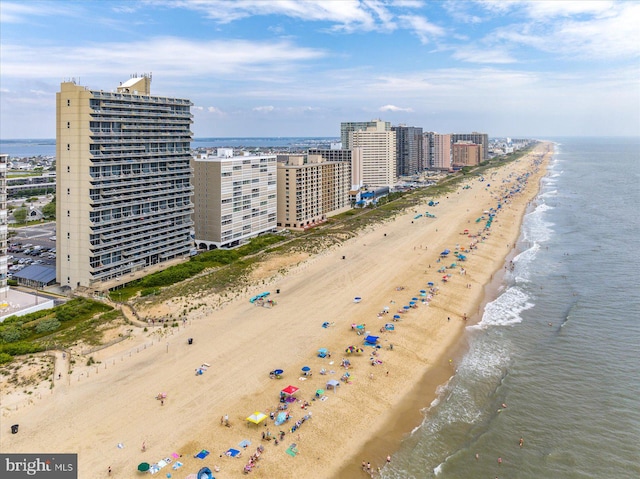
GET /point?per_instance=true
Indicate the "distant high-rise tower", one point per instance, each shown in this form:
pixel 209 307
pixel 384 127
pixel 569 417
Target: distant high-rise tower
pixel 347 127
pixel 409 150
pixel 475 137
pixel 378 150
pixel 440 151
pixel 123 183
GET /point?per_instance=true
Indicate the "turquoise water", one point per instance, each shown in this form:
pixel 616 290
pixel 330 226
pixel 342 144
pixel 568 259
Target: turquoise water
pixel 560 346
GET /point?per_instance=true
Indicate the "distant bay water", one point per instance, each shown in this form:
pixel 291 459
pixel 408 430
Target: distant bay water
pixel 559 346
pixel 47 147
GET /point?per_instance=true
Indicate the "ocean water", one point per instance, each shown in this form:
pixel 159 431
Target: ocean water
pixel 559 346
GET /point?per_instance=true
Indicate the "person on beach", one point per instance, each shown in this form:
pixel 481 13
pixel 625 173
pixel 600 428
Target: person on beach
pixel 388 459
pixel 521 442
pixel 109 471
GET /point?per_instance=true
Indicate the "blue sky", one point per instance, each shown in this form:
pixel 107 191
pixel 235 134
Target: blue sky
pixel 299 68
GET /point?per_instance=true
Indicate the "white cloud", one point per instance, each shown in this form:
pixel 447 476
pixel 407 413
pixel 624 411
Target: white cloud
pixel 394 108
pixel 197 108
pixel 474 55
pixel 423 29
pixel 180 58
pixel 264 109
pixel 11 12
pixel 615 35
pixel 213 109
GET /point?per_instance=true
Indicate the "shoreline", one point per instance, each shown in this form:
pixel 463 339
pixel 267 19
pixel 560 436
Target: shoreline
pixel 416 404
pixel 242 343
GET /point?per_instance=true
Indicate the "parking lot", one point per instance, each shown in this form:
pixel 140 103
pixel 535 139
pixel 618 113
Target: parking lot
pixel 32 245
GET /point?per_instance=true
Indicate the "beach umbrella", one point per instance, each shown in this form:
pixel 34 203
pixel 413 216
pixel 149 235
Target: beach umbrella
pixel 319 392
pixel 290 390
pixel 278 372
pixel 406 307
pixel 143 467
pixel 414 299
pixel 412 303
pixel 306 369
pixel 257 417
pixel 430 283
pixel 357 299
pixel 423 291
pixel 396 316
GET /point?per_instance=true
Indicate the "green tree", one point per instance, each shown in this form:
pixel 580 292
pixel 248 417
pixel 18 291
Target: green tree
pixel 20 215
pixel 49 210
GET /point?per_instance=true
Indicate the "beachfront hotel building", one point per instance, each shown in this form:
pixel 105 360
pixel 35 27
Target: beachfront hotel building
pixel 123 183
pixel 234 198
pixel 311 189
pixel 4 230
pixel 437 151
pixel 378 150
pixel 409 150
pixel 475 137
pixel 466 153
pixel 347 127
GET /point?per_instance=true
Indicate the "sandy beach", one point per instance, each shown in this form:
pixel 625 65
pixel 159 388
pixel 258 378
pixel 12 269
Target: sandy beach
pixel 106 411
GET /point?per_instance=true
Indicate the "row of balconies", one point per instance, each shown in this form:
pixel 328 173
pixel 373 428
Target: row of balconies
pixel 154 156
pixel 127 98
pixel 116 222
pixel 104 204
pixel 132 244
pixel 137 113
pixel 127 135
pixel 140 176
pixel 151 247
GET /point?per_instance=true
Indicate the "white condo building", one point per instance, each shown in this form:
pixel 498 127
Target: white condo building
pixel 123 183
pixel 377 146
pixel 234 199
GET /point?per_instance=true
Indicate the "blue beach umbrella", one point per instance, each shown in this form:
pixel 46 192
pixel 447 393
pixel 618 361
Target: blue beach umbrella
pixel 306 368
pixel 406 307
pixel 396 316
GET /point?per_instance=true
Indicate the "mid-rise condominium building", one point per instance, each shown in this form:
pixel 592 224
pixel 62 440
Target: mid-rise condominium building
pixel 437 148
pixel 123 183
pixel 234 198
pixel 378 149
pixel 4 289
pixel 466 153
pixel 409 150
pixel 475 137
pixel 347 127
pixel 311 189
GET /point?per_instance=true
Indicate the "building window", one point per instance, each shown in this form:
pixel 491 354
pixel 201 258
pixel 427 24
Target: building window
pixel 68 169
pixel 68 235
pixel 68 257
pixel 68 214
pixel 68 191
pixel 68 124
pixel 68 147
pixel 68 104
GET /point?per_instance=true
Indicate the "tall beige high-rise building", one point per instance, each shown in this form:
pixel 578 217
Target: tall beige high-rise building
pixel 123 183
pixel 348 127
pixel 234 198
pixel 311 189
pixel 441 150
pixel 378 152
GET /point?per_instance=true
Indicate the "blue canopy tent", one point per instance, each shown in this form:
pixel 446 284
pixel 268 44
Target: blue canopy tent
pixel 323 352
pixel 371 340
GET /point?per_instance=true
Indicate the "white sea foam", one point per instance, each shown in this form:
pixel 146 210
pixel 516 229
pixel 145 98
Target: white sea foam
pixel 505 310
pixel 438 469
pixel 535 228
